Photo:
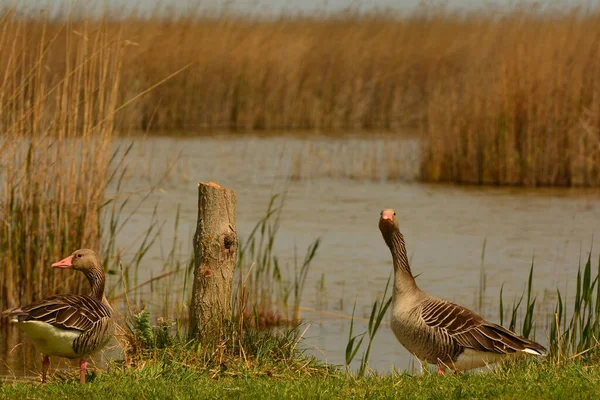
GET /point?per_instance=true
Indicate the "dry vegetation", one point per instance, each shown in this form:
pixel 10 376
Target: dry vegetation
pixel 520 104
pixel 372 158
pixel 239 73
pixel 500 98
pixel 56 117
pixel 505 97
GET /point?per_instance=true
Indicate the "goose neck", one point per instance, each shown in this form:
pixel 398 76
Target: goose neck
pixel 97 280
pixel 404 282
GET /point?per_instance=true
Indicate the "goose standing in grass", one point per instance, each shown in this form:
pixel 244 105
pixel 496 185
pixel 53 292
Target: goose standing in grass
pixel 71 325
pixel 440 332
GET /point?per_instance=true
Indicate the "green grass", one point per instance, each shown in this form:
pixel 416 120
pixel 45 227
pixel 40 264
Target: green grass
pixel 531 380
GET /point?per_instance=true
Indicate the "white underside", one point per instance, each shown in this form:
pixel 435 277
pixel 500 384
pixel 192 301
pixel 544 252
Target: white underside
pixel 50 340
pixel 534 352
pixel 470 359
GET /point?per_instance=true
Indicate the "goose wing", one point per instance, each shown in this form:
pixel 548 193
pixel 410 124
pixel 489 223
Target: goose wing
pixel 470 330
pixel 64 311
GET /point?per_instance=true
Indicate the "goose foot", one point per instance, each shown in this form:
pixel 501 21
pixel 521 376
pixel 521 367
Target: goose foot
pixel 82 369
pixel 45 365
pixel 441 371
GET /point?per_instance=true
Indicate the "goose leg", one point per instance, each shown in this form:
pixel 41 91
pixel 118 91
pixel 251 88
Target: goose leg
pixel 45 365
pixel 82 369
pixel 440 371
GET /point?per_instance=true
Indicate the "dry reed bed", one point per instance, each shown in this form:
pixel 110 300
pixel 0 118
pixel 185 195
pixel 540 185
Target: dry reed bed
pixel 57 124
pixel 522 106
pixel 243 74
pixel 376 159
pixel 505 97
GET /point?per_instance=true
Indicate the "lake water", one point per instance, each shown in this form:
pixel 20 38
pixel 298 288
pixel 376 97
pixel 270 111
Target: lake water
pixel 335 190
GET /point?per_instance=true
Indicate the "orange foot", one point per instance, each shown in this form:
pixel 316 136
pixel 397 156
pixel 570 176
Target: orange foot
pixel 441 371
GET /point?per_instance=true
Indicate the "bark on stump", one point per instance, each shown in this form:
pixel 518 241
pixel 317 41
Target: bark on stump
pixel 215 254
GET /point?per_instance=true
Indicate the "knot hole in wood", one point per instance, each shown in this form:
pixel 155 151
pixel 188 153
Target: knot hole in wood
pixel 228 240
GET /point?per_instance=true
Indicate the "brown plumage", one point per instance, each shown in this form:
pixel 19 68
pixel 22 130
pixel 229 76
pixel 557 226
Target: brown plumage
pixel 72 326
pixel 440 332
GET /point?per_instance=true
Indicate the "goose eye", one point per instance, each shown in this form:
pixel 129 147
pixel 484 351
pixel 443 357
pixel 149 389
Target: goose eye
pixel 394 213
pixel 79 255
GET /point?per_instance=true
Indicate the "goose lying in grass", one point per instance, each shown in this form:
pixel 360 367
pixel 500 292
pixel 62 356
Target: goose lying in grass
pixel 440 332
pixel 71 325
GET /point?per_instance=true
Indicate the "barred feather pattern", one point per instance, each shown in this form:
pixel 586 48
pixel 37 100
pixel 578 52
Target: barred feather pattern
pixel 453 328
pixel 96 278
pixel 395 241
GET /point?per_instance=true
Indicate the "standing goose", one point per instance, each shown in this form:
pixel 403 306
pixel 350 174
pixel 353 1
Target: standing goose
pixel 440 332
pixel 71 325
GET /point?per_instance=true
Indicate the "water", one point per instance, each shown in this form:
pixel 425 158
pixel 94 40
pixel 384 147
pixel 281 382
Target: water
pixel 335 190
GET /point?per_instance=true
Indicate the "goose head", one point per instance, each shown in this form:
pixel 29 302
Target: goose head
pixel 81 260
pixel 388 221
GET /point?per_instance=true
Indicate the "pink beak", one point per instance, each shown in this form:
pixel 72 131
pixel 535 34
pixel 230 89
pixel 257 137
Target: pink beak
pixel 389 215
pixel 64 263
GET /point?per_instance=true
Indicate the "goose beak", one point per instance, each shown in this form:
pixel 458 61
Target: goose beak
pixel 387 215
pixel 64 263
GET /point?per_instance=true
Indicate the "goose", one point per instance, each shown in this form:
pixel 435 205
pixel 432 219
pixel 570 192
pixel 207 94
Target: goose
pixel 71 325
pixel 440 332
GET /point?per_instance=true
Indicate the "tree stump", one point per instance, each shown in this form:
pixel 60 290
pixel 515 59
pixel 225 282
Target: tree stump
pixel 215 254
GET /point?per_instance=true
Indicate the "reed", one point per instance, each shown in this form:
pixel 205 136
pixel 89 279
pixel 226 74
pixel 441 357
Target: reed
pixel 519 103
pixel 245 73
pixel 527 328
pixel 346 71
pixel 378 312
pixel 573 329
pixel 376 158
pixel 575 333
pixel 501 96
pixel 268 292
pixel 55 150
pixel 291 73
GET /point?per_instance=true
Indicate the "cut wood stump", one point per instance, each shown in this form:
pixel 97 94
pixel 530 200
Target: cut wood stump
pixel 215 255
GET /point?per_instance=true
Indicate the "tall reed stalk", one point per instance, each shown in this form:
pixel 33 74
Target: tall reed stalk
pixel 266 288
pixel 57 122
pixel 576 333
pixel 378 312
pixel 574 330
pixel 516 313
